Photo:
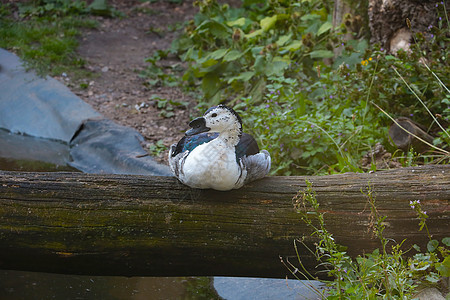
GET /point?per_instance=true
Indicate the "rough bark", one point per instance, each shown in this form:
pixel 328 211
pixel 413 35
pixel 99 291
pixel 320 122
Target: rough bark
pixel 387 21
pixel 154 226
pixel 341 9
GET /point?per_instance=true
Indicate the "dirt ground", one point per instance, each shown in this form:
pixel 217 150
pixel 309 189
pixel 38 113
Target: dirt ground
pixel 116 51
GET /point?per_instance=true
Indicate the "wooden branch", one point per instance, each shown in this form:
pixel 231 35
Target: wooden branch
pixel 403 140
pixel 154 226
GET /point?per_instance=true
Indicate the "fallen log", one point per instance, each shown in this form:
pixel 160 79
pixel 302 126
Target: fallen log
pixel 132 225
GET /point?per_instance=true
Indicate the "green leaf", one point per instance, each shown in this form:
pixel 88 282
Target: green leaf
pixel 258 89
pixel 444 267
pixel 432 245
pixel 276 68
pixel 283 40
pixel 294 46
pixel 238 22
pixel 233 55
pixel 446 241
pixel 321 54
pixel 254 34
pixel 206 63
pixel 210 84
pixel 246 76
pixel 432 277
pixel 100 7
pixel 260 64
pixel 324 28
pixel 217 29
pixel 256 50
pixel 218 54
pixel 310 17
pixel 268 22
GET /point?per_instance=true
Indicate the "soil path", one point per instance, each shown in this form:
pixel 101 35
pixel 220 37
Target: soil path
pixel 116 52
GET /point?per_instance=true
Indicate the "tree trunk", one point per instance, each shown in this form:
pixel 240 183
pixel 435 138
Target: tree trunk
pixel 155 226
pixel 388 25
pixel 341 9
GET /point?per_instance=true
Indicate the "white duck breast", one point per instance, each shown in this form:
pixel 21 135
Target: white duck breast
pixel 215 153
pixel 211 165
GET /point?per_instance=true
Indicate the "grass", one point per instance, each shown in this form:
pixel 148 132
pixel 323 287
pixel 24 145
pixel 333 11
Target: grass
pixel 46 43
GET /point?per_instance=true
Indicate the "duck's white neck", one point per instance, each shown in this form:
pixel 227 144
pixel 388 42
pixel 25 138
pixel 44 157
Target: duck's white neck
pixel 231 136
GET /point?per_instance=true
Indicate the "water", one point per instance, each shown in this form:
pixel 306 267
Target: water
pixel 26 285
pixel 26 153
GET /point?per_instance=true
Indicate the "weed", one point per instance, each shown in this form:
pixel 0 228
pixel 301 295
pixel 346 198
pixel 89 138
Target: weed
pixel 61 8
pixel 156 149
pixel 167 107
pixel 158 75
pixel 45 33
pixel 46 41
pixel 380 274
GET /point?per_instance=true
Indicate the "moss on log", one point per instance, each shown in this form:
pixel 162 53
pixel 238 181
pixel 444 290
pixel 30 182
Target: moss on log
pixel 155 226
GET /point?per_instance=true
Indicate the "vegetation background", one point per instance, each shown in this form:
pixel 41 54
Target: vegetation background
pixel 317 95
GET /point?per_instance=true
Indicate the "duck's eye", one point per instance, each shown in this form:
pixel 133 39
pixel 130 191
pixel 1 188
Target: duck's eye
pixel 214 115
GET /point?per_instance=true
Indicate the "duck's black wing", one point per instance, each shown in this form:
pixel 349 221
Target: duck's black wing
pixel 247 146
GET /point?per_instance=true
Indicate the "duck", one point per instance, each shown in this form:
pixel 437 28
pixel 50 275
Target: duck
pixel 216 154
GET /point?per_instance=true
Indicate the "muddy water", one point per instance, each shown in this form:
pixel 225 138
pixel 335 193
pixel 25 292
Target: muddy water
pixel 29 285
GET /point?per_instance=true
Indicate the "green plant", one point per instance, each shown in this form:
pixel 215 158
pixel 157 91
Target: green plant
pixel 157 74
pixel 380 274
pixel 62 8
pixel 52 8
pixel 274 61
pixel 167 107
pixel 156 149
pixel 46 41
pixel 233 51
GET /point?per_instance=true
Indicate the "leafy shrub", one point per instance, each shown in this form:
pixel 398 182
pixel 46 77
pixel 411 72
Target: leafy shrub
pixel 234 51
pixel 275 62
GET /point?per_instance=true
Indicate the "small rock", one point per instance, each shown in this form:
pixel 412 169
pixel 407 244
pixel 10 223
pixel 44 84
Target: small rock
pixel 105 69
pixel 429 294
pixel 142 105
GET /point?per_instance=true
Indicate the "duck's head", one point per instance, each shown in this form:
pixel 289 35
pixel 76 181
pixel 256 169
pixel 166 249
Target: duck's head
pixel 219 119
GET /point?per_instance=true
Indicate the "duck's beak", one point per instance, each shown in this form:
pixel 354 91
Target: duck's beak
pixel 198 126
